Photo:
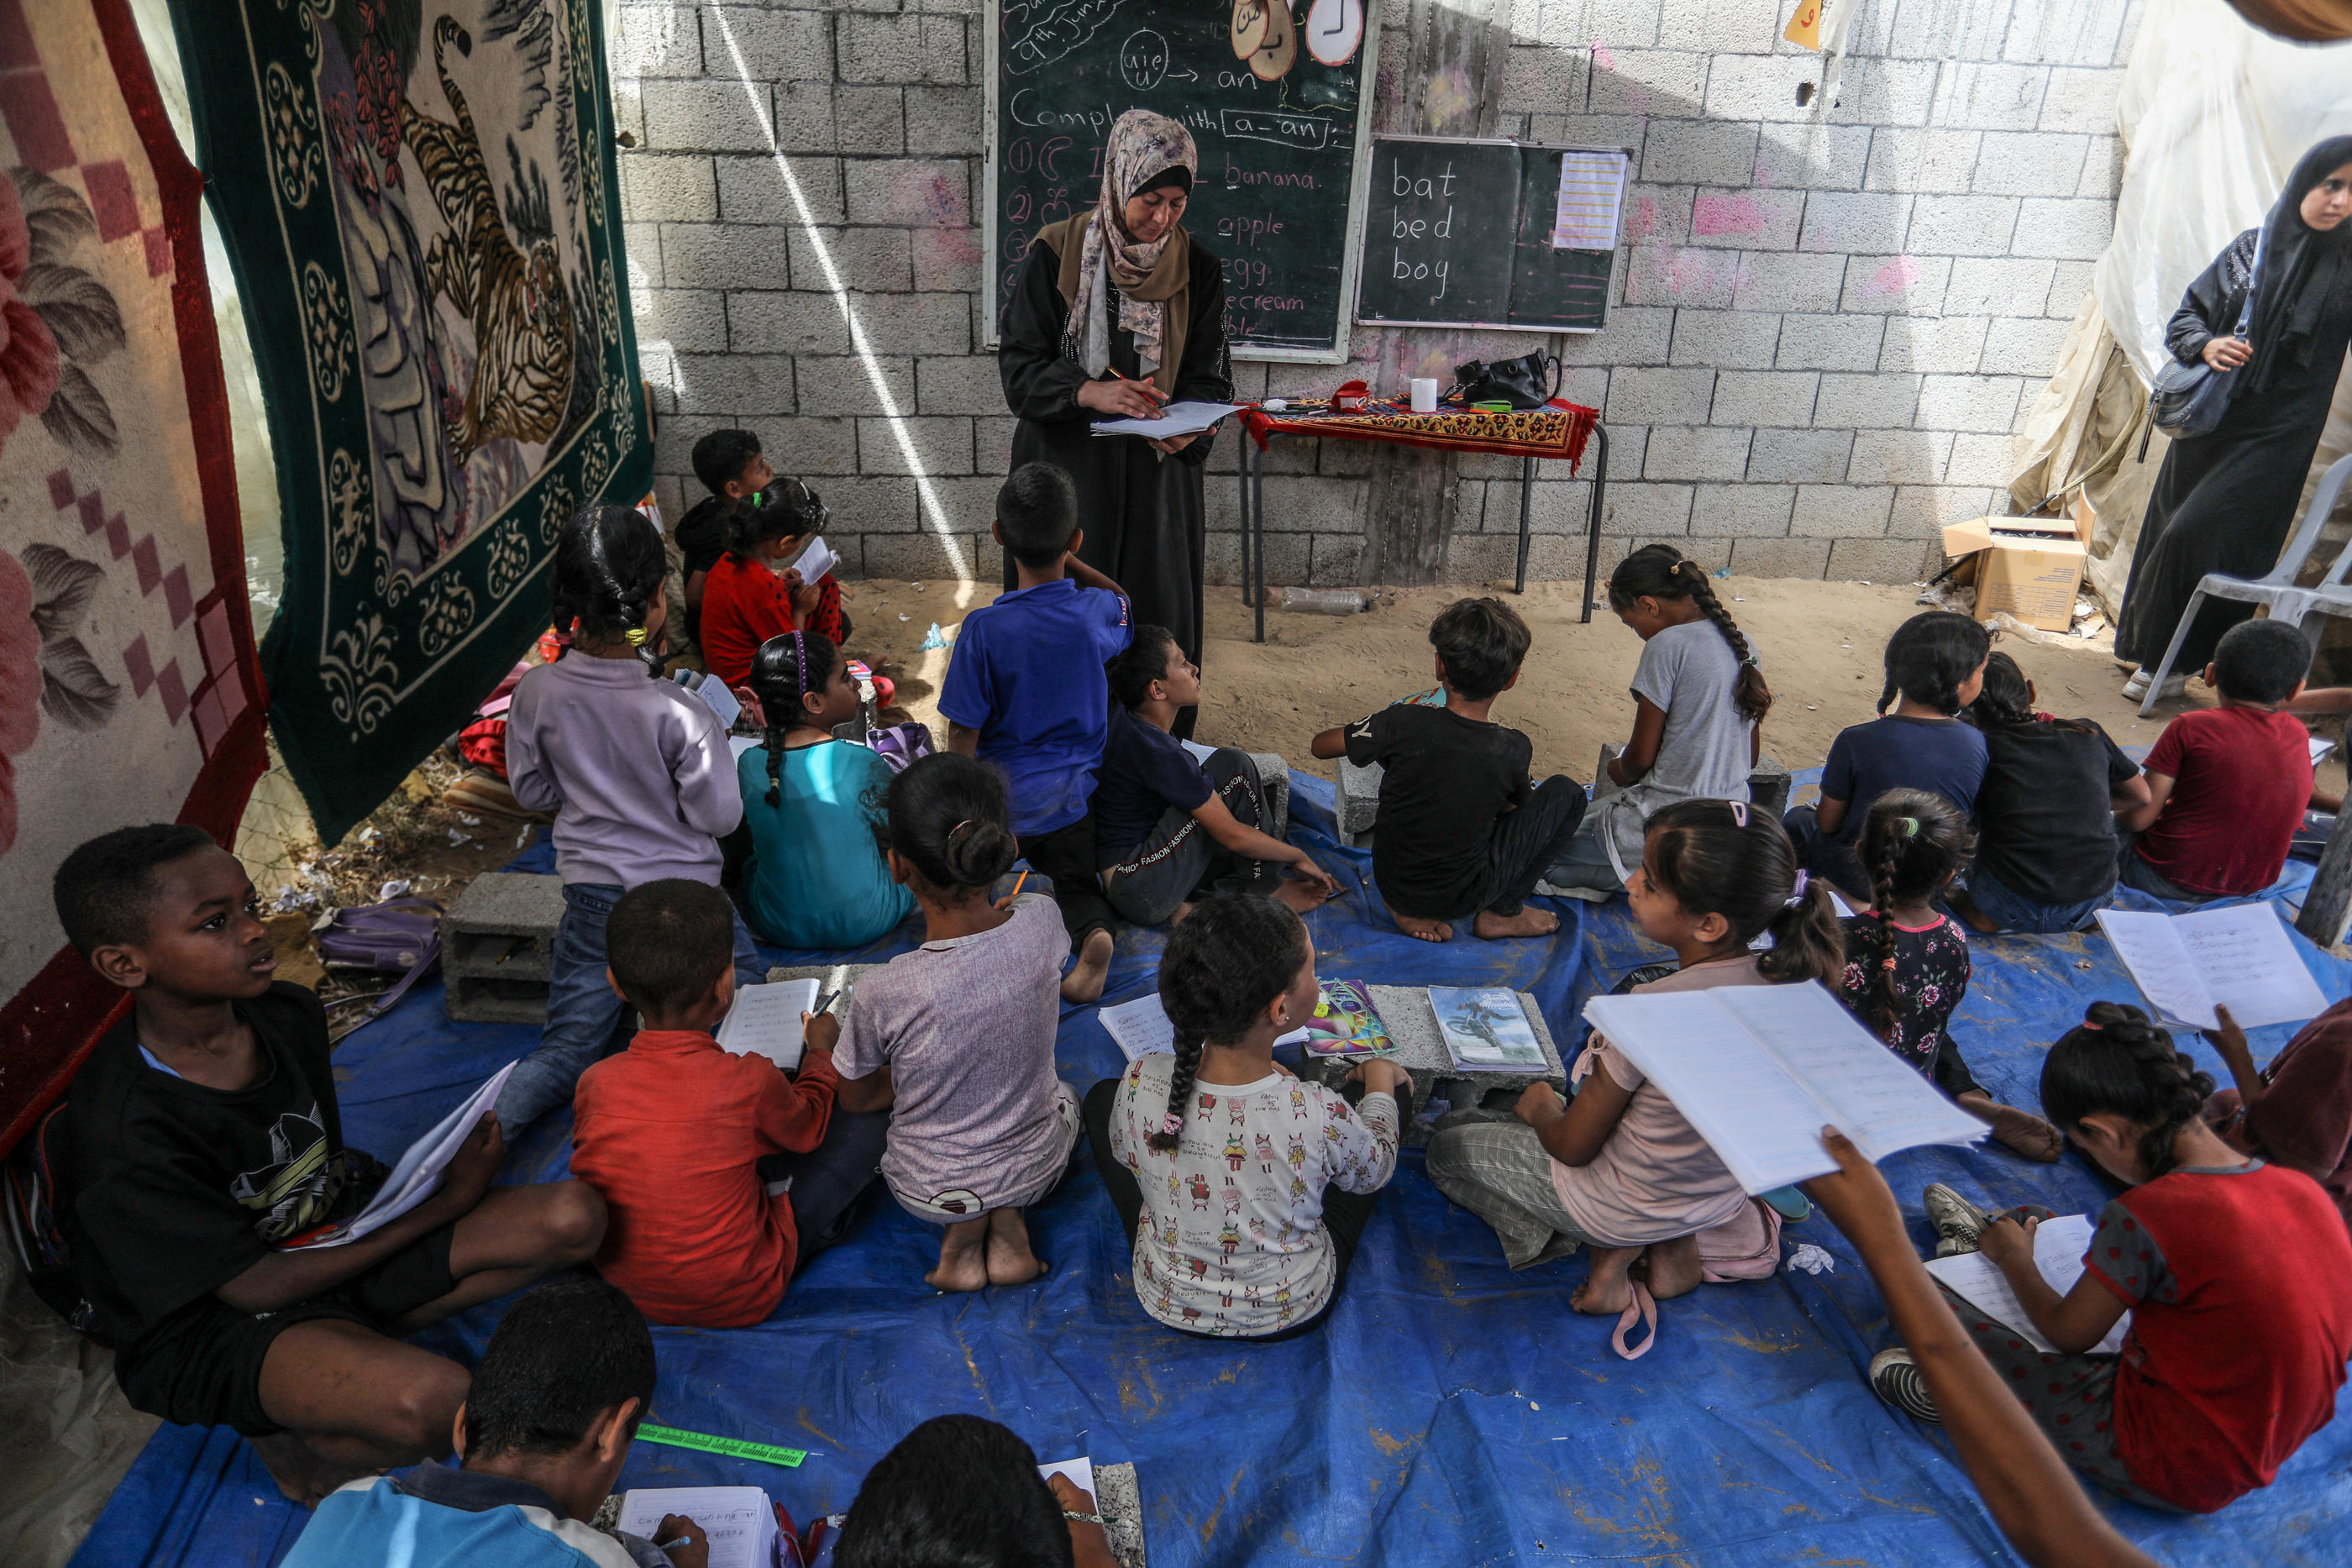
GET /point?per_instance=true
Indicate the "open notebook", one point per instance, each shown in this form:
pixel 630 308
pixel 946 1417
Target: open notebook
pixel 2240 956
pixel 766 1021
pixel 2058 1247
pixel 417 1176
pixel 1759 1070
pixel 739 1521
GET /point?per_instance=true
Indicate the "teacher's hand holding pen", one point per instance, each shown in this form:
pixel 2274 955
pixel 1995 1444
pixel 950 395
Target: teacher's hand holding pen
pixel 1122 399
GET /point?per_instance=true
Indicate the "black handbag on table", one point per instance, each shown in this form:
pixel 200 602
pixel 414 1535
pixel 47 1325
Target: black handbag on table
pixel 1521 382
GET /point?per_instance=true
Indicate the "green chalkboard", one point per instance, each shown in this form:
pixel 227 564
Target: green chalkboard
pixel 1458 233
pixel 1279 102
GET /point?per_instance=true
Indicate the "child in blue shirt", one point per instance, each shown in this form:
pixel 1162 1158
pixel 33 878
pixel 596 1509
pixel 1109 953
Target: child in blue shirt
pixel 1026 691
pixel 1934 667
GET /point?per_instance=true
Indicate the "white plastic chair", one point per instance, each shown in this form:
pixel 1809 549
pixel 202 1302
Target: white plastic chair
pixel 2277 588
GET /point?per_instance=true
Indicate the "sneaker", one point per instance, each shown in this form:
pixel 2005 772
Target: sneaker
pixel 2135 689
pixel 1958 1221
pixel 1894 1377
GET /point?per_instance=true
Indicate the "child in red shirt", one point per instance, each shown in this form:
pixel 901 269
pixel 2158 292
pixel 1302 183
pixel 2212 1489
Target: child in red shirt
pixel 2238 1276
pixel 685 1141
pixel 2228 785
pixel 750 596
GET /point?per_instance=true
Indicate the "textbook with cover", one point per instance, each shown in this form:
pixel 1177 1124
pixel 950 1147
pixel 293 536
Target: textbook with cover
pixel 1486 1029
pixel 766 1021
pixel 1345 1023
pixel 1759 1070
pixel 417 1176
pixel 739 1521
pixel 2240 956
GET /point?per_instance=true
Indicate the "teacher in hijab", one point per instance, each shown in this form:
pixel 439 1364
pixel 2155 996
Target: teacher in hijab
pixel 2225 500
pixel 1118 312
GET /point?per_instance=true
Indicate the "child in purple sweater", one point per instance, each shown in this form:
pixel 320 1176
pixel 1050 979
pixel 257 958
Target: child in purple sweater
pixel 637 771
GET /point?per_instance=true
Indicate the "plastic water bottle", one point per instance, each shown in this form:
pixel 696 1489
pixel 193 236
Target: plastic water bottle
pixel 1324 600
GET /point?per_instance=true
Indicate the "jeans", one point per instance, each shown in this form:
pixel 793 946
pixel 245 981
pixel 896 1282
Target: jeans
pixel 829 1180
pixel 2009 912
pixel 1528 840
pixel 2134 871
pixel 1179 856
pixel 1586 863
pixel 1067 856
pixel 584 1012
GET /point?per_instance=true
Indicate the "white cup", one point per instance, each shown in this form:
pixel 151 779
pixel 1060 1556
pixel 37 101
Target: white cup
pixel 1424 395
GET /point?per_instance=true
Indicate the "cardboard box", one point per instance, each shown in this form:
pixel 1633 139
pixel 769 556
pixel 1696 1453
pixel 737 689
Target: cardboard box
pixel 2029 567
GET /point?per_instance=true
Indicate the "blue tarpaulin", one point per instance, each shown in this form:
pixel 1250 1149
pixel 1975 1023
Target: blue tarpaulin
pixel 1452 1411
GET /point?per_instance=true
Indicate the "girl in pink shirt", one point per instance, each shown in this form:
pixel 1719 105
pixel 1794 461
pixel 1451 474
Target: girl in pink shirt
pixel 1619 1168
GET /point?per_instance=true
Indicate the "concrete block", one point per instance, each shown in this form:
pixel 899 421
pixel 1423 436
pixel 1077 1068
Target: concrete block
pixel 1359 796
pixel 1980 460
pixel 1621 26
pixel 1922 512
pixel 1899 457
pixel 929 557
pixel 1903 285
pixel 1657 82
pixel 1747 220
pixel 483 999
pixel 1636 336
pixel 1813 156
pixel 654 41
pixel 1782 397
pixel 741 385
pixel 1761 86
pixel 1871 221
pixel 767 44
pixel 949 259
pixel 913 323
pixel 1701 453
pixel 868 260
pixel 962 383
pixel 1286 557
pixel 1792 281
pixel 1798 456
pixel 1692 278
pixel 1944 345
pixel 497 947
pixel 688 320
pixel 1883 560
pixel 786 322
pixel 668 188
pixel 707 116
pixel 1406 1014
pixel 1732 27
pixel 870 120
pixel 858 383
pixel 813 446
pixel 878 505
pixel 774 190
pixel 1887 92
pixel 2073 229
pixel 939 446
pixel 1274 777
pixel 1829 342
pixel 1796 558
pixel 1768 786
pixel 962 507
pixel 1865 402
pixel 726 255
pixel 2069 282
pixel 943 120
pixel 2031 164
pixel 805 120
pixel 1741 511
pixel 1725 340
pixel 1540 79
pixel 1697 152
pixel 1961 225
pixel 1841 511
pixel 905 49
pixel 2091 34
pixel 674 440
pixel 641 243
pixel 1988 96
pixel 2081 98
pixel 1660 397
pixel 1921 161
pixel 2103 169
pixel 1652 511
pixel 1969 403
pixel 916 193
pixel 1934 31
pixel 2024 345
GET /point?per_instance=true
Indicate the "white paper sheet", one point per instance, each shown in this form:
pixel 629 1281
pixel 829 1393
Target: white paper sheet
pixel 766 1021
pixel 2240 956
pixel 417 1174
pixel 1140 1027
pixel 1081 1471
pixel 1201 754
pixel 1872 1098
pixel 1591 187
pixel 815 560
pixel 2058 1247
pixel 2319 749
pixel 718 699
pixel 1176 419
pixel 740 1520
pixel 740 744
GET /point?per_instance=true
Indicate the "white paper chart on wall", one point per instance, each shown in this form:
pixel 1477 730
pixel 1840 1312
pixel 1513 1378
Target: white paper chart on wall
pixel 1278 97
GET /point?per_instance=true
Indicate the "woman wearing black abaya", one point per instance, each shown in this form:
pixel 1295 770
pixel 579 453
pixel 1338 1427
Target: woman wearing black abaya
pixel 1122 291
pixel 2224 501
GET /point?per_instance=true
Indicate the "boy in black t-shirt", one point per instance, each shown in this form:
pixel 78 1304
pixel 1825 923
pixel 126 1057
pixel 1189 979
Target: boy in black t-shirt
pixel 203 1137
pixel 1463 835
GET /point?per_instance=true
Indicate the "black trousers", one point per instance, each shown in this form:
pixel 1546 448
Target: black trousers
pixel 829 1180
pixel 1344 1213
pixel 1067 856
pixel 1529 840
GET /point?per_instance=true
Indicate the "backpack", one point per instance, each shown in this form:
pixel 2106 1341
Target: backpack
pixel 400 937
pixel 35 1232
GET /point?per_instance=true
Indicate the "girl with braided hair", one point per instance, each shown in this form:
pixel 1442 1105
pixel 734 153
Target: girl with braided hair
pixel 636 771
pixel 2237 1274
pixel 1699 702
pixel 816 878
pixel 956 1038
pixel 1243 1190
pixel 1907 962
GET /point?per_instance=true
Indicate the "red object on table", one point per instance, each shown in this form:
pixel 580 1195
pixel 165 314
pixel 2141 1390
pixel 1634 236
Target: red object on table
pixel 1557 429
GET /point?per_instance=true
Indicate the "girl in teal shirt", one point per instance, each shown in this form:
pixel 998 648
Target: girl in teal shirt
pixel 816 878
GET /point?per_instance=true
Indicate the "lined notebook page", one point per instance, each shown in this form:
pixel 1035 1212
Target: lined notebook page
pixel 1870 1094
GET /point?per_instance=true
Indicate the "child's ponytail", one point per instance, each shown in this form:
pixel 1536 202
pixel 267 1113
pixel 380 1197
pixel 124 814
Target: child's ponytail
pixel 1224 965
pixel 608 567
pixel 1930 658
pixel 1913 843
pixel 787 667
pixel 945 817
pixel 2118 1062
pixel 1722 857
pixel 1807 943
pixel 1661 571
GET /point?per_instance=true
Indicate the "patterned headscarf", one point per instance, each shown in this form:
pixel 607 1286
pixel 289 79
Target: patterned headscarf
pixel 1143 145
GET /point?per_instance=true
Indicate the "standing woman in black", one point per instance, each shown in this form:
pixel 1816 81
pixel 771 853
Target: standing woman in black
pixel 1123 290
pixel 2225 500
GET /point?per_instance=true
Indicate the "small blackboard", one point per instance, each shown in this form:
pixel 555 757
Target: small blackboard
pixel 1435 217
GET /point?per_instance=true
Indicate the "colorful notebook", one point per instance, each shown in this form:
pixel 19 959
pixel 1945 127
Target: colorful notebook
pixel 1345 1024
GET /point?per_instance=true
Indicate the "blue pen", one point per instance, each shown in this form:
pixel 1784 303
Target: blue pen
pixel 674 1545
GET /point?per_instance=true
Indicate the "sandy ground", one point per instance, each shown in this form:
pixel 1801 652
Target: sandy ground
pixel 1821 645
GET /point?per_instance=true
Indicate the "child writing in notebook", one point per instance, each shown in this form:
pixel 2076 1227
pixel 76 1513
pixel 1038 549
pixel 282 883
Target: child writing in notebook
pixel 1293 1168
pixel 1699 702
pixel 816 878
pixel 637 772
pixel 1619 1168
pixel 1934 667
pixel 1907 962
pixel 2238 1276
pixel 956 1038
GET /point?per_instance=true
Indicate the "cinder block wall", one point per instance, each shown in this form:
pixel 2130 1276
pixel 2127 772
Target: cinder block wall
pixel 1824 325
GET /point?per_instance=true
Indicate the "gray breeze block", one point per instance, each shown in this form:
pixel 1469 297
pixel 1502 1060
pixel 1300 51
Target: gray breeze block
pixel 497 947
pixel 1421 1050
pixel 1767 782
pixel 1359 802
pixel 1119 1499
pixel 829 977
pixel 1273 773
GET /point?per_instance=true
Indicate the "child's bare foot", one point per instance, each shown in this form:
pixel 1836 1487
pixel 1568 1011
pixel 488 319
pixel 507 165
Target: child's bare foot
pixel 1427 930
pixel 1608 1289
pixel 1967 910
pixel 963 1257
pixel 2019 1131
pixel 1528 922
pixel 1300 895
pixel 1010 1259
pixel 1671 1268
pixel 1084 983
pixel 302 1472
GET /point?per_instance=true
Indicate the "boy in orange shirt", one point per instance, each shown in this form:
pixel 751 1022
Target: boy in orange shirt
pixel 694 1147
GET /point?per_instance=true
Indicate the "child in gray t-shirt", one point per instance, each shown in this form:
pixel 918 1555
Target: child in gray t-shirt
pixel 1700 700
